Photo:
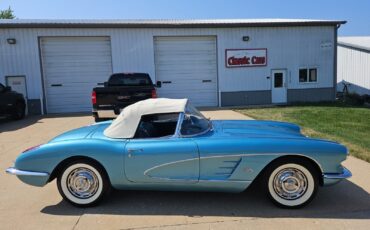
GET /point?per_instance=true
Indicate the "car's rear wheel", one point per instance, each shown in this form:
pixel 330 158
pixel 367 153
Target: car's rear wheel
pixel 291 184
pixel 83 183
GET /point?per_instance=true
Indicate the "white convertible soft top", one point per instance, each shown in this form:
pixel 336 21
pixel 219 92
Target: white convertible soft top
pixel 125 125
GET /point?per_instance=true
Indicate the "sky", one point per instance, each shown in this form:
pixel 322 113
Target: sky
pixel 355 12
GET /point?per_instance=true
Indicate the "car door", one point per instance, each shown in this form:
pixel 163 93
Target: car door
pixel 162 160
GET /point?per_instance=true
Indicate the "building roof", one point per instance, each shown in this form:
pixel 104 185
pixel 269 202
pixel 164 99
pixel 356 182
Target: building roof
pixel 361 43
pixel 163 23
pixel 125 125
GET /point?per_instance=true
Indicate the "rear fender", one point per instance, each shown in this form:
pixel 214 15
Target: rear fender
pixel 47 157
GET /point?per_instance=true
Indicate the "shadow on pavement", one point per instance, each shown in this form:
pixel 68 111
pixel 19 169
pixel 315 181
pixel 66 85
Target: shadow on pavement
pixel 7 124
pixel 345 200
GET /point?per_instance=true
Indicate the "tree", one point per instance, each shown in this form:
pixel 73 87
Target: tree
pixel 7 14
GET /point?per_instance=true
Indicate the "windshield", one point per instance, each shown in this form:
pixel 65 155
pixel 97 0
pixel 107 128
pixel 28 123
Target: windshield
pixel 194 122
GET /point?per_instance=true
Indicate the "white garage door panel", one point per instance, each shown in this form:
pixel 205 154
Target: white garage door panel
pixel 78 64
pixel 186 62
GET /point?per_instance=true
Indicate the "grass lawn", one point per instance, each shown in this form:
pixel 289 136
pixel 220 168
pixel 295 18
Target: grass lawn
pixel 345 124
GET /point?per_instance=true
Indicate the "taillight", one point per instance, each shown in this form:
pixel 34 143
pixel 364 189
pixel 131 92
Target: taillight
pixel 154 93
pixel 31 148
pixel 93 97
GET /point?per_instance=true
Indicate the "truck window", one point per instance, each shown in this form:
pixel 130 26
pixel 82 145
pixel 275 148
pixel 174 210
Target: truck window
pixel 122 79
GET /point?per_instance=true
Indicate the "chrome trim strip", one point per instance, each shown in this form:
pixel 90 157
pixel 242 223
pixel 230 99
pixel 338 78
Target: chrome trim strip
pixel 231 155
pixel 345 174
pixel 18 172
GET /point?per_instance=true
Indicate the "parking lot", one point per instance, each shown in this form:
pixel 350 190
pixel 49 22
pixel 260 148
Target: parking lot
pixel 344 206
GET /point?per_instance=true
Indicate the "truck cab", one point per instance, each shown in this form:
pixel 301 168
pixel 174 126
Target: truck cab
pixel 121 90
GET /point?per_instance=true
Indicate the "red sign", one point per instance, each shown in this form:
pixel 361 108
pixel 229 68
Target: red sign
pixel 245 57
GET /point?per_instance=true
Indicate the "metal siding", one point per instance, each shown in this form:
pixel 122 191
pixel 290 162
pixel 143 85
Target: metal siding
pixel 354 68
pixel 311 95
pixel 21 59
pixel 287 48
pixel 132 50
pixel 262 97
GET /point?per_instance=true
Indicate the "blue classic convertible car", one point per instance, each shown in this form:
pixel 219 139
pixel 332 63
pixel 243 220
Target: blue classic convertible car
pixel 166 144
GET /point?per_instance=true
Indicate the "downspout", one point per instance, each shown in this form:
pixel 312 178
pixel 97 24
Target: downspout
pixel 335 60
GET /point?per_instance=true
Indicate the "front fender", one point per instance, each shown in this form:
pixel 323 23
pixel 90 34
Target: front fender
pixel 244 158
pixel 110 154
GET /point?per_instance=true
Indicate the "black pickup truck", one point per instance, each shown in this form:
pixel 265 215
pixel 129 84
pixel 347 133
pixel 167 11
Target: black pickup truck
pixel 12 104
pixel 121 90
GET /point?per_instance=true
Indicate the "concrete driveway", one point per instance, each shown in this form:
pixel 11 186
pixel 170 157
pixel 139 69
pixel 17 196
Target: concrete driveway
pixel 344 206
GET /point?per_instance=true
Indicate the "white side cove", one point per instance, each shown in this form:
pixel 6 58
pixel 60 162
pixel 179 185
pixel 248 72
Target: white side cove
pixel 353 68
pixel 72 67
pixel 187 68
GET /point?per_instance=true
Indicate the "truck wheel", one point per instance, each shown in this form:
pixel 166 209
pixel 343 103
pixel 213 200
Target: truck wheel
pixel 19 111
pixel 98 119
pixel 83 183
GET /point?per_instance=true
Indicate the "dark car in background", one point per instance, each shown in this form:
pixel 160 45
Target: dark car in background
pixel 121 90
pixel 12 104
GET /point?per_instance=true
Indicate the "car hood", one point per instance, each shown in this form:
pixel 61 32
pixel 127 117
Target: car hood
pixel 81 133
pixel 253 128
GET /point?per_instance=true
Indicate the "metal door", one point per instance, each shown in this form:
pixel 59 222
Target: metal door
pixel 279 89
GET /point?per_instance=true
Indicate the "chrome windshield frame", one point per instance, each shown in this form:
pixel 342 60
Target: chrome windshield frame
pixel 178 125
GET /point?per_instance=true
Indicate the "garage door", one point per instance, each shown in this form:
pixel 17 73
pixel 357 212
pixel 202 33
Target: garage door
pixel 187 68
pixel 72 67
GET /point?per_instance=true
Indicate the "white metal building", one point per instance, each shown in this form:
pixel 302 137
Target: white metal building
pixel 354 64
pixel 211 62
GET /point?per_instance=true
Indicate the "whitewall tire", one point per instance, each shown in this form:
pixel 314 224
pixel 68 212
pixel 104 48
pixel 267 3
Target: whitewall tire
pixel 292 184
pixel 82 183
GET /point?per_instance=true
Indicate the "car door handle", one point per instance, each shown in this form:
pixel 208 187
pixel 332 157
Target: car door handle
pixel 205 81
pixel 132 151
pixel 56 85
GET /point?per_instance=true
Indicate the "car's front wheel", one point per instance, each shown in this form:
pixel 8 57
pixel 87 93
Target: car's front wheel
pixel 292 184
pixel 83 183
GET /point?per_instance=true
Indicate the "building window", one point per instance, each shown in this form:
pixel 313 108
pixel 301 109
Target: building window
pixel 308 75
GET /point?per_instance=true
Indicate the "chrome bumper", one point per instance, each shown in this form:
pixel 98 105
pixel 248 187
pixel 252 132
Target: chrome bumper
pixel 18 172
pixel 345 174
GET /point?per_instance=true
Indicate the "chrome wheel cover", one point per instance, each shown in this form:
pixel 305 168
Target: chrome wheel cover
pixel 290 183
pixel 82 183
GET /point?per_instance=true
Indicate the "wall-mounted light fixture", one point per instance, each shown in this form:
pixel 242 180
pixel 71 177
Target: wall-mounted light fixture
pixel 246 38
pixel 11 41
